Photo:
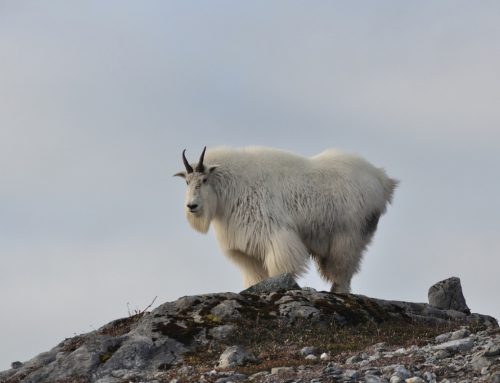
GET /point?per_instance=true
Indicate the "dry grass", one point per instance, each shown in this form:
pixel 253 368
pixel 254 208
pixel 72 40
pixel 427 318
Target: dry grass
pixel 276 344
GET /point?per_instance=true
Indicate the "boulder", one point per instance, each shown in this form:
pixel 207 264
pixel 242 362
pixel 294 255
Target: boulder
pixel 282 282
pixel 447 295
pixel 235 356
pixel 455 345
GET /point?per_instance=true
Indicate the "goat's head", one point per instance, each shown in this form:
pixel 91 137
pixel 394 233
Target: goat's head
pixel 200 200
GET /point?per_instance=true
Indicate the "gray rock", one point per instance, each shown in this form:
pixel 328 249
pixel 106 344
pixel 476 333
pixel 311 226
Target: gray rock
pixel 325 356
pixel 379 347
pixel 222 332
pixel 354 359
pixel 39 362
pixel 16 365
pixel 232 378
pixel 459 345
pixel 286 299
pixel 493 350
pixel 430 377
pixel 373 379
pixel 351 374
pixel 282 370
pixel 308 351
pixel 280 283
pixel 396 379
pixel 447 295
pixel 108 379
pixel 400 351
pixel 460 334
pixel 441 354
pixel 415 379
pixel 143 353
pixel 235 356
pixel 375 356
pixel 119 373
pixel 310 289
pixel 227 310
pixel 443 337
pixel 373 371
pixel 402 372
pixel 132 354
pixel 332 369
pixel 80 362
pixel 258 375
pixel 296 310
pixel 4 375
pixel 479 361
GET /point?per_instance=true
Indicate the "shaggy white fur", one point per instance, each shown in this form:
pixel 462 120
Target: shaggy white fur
pixel 271 209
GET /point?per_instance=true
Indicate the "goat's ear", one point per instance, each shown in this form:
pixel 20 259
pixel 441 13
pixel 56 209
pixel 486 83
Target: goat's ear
pixel 212 168
pixel 180 174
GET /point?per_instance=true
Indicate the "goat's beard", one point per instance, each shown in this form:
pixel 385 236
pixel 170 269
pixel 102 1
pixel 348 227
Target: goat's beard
pixel 200 221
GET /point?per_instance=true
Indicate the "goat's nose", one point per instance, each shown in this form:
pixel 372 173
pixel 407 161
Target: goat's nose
pixel 192 206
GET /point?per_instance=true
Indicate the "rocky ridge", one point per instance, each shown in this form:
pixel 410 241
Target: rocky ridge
pixel 278 332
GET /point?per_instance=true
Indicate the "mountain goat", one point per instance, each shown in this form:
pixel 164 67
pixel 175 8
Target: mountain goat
pixel 271 209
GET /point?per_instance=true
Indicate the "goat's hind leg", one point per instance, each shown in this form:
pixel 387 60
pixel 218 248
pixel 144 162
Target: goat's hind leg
pixel 341 263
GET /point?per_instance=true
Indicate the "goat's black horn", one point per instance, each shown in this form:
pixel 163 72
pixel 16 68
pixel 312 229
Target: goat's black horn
pixel 200 168
pixel 186 163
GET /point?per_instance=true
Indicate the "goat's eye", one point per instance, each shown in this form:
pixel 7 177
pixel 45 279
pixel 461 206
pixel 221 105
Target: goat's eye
pixel 204 180
pixel 187 182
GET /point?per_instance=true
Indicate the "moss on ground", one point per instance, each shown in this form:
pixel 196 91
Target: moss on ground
pixel 276 344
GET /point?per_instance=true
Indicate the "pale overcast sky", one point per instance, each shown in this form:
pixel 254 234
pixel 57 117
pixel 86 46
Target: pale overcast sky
pixel 98 99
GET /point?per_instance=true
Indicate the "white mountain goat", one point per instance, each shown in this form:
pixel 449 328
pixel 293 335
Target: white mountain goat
pixel 271 209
